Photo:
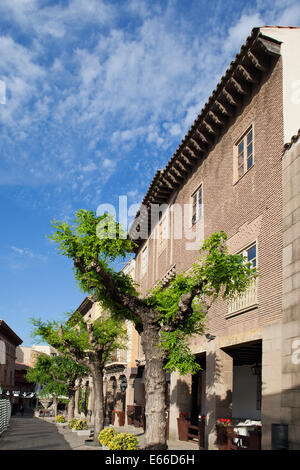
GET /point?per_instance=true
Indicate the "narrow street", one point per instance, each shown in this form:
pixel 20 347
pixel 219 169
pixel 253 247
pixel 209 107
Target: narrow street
pixel 30 433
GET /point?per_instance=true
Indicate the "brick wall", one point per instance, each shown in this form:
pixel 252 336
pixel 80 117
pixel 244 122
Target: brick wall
pixel 249 210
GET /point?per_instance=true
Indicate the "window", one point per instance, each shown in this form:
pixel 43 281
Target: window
pixel 244 153
pixel 163 233
pixel 144 260
pixel 248 299
pixel 197 205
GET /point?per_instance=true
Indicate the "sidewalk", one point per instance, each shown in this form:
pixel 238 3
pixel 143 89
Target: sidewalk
pixel 30 433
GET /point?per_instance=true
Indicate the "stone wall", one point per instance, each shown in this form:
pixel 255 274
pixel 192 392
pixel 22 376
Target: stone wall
pixel 290 397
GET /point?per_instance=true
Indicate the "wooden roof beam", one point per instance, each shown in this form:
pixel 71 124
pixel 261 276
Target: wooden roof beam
pixel 176 175
pixel 251 76
pixel 242 88
pixel 189 155
pixel 204 135
pixel 258 61
pixel 185 163
pixel 233 97
pixel 225 108
pixel 217 118
pixel 212 129
pixel 197 143
pixel 180 168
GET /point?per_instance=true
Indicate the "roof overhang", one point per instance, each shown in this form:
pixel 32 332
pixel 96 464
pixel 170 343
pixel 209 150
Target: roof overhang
pixel 244 72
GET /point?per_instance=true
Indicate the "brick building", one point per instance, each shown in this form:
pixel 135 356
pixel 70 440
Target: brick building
pixel 9 340
pixel 229 173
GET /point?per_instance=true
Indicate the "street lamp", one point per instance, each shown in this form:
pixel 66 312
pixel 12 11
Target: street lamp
pixel 123 386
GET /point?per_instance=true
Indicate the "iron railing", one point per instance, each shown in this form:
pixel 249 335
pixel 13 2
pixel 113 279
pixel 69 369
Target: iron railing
pixel 5 413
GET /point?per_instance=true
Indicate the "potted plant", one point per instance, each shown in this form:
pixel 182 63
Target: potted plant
pixel 72 422
pixel 123 441
pixel 105 436
pixel 60 420
pixel 81 427
pixel 224 433
pixel 183 423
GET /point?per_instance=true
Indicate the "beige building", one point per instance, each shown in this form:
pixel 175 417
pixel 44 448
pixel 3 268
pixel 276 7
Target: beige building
pixel 228 174
pixel 28 354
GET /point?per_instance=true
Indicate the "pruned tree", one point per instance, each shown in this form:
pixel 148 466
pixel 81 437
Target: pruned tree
pixel 168 316
pixel 58 376
pixel 87 344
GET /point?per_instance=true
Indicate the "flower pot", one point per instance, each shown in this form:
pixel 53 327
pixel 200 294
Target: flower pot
pixel 183 426
pixel 121 418
pixel 83 432
pixel 224 436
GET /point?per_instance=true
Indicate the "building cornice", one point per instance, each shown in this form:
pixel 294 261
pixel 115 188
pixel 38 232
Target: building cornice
pixel 9 333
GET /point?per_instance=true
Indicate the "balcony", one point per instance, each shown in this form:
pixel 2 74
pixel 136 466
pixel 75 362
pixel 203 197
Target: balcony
pixel 245 301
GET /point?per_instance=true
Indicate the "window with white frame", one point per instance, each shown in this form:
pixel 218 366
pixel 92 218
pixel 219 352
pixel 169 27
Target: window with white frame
pixel 197 201
pixel 249 298
pixel 144 260
pixel 244 155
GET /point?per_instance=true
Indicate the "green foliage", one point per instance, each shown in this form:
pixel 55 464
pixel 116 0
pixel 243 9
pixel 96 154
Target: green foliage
pixel 106 435
pixel 80 425
pixel 60 419
pixel 123 441
pixel 109 333
pixel 216 272
pixel 72 422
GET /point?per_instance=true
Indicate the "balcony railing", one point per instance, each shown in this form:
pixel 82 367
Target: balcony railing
pixel 244 301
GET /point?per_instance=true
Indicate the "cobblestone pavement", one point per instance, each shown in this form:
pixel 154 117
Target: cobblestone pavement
pixel 30 433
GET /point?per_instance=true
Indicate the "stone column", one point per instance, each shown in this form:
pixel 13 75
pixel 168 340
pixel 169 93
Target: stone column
pixel 271 380
pixel 219 384
pixel 290 397
pixel 180 400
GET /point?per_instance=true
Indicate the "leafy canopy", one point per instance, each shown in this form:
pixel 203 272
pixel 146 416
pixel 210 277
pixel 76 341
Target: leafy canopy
pixel 72 337
pixel 216 272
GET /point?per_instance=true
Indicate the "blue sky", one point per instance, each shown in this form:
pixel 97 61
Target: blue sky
pixel 99 95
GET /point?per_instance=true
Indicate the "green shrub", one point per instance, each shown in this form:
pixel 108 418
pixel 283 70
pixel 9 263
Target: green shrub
pixel 80 425
pixel 124 441
pixel 60 419
pixel 72 422
pixel 106 435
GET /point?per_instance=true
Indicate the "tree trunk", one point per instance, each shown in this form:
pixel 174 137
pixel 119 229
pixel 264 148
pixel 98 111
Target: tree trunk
pixel 84 398
pixel 71 405
pixel 54 405
pixel 97 374
pixel 155 386
pixel 76 407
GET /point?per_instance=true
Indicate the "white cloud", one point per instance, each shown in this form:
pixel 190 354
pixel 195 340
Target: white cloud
pixel 240 31
pixel 27 253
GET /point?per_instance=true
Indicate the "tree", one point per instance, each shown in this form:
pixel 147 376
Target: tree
pixel 168 316
pixel 87 344
pixel 57 375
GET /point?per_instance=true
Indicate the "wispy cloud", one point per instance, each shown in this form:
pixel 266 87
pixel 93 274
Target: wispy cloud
pixel 94 87
pixel 26 253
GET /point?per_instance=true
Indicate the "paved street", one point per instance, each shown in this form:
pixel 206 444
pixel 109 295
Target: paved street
pixel 30 433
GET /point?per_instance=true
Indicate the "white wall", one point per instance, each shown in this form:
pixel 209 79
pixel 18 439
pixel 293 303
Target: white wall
pixel 290 48
pixel 244 393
